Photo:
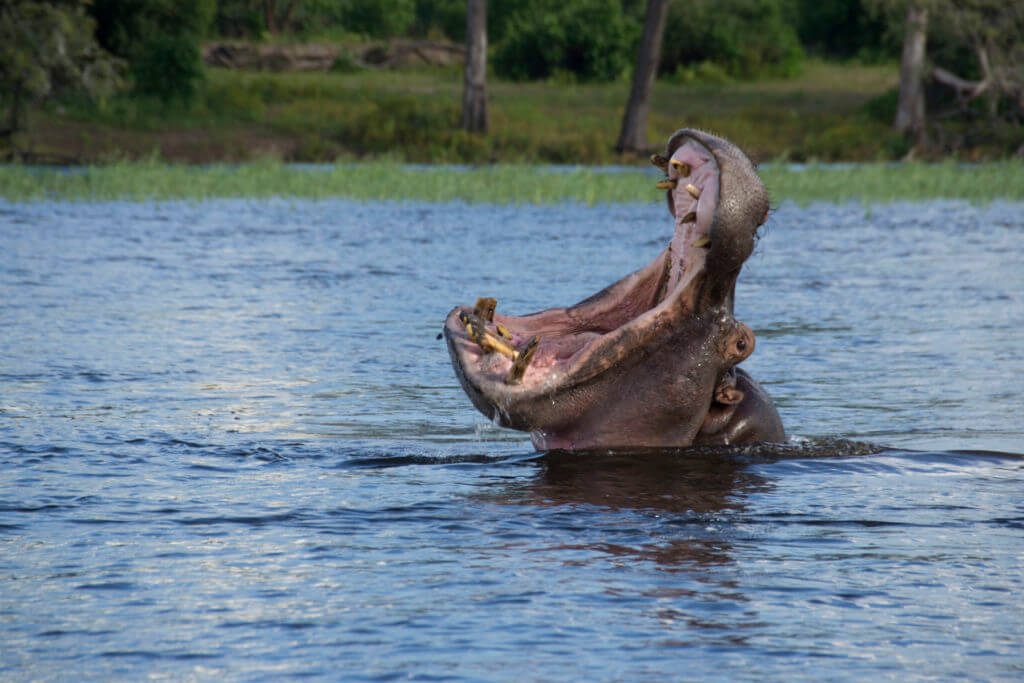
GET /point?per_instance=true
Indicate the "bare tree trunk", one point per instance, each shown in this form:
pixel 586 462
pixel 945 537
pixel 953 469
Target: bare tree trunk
pixel 910 110
pixel 633 137
pixel 286 20
pixel 269 16
pixel 474 96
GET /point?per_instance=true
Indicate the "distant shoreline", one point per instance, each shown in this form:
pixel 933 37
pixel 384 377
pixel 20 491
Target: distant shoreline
pixel 831 112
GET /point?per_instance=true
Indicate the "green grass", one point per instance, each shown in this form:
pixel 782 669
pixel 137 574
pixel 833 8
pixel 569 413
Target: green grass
pixel 831 112
pixel 500 183
pixel 824 114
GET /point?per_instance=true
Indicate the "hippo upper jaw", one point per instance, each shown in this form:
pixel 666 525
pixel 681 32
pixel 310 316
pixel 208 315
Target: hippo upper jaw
pixel 636 364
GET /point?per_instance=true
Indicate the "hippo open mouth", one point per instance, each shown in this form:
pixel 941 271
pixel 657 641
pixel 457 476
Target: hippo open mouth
pixel 649 360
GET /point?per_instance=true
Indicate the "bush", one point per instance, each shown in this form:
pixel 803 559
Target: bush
pixel 592 39
pixel 883 107
pixel 375 126
pixel 169 68
pixel 378 18
pixel 747 38
pixel 238 19
pixel 705 73
pixel 447 17
pixel 844 29
pixel 160 39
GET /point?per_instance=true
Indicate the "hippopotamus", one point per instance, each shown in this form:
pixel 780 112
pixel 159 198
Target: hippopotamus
pixel 649 361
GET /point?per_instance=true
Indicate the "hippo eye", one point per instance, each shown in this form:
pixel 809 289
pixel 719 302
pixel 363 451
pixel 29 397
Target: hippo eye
pixel 741 345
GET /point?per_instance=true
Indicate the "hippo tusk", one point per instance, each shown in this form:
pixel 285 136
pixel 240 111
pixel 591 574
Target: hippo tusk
pixel 681 167
pixel 660 161
pixel 702 241
pixel 484 339
pixel 690 217
pixel 693 190
pixel 484 308
pixel 522 361
pixel 667 184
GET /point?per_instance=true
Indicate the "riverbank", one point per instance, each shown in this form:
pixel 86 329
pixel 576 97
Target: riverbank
pixel 501 183
pixel 831 112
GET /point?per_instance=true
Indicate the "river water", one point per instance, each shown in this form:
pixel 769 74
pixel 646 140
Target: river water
pixel 233 447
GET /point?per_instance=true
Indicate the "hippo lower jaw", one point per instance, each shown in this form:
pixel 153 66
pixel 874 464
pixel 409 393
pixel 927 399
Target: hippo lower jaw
pixel 641 362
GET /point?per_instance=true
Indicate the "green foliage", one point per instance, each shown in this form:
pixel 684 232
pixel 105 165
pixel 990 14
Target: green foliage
pixel 160 39
pixel 444 17
pixel 238 19
pixel 705 72
pixel 46 48
pixel 345 63
pixel 979 41
pixel 169 68
pixel 883 107
pixel 374 125
pixel 320 116
pixel 748 38
pixel 592 39
pixel 378 18
pixel 844 29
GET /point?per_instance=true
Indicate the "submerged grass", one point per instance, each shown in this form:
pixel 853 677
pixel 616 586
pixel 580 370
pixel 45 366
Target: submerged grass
pixel 502 183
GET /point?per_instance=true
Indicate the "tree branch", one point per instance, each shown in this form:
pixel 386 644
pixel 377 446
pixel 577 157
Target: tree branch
pixel 963 87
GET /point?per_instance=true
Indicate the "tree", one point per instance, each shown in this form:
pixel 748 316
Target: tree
pixel 972 50
pixel 45 48
pixel 474 97
pixel 633 137
pixel 991 32
pixel 910 105
pixel 277 19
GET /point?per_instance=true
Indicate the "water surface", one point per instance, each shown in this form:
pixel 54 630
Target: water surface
pixel 233 447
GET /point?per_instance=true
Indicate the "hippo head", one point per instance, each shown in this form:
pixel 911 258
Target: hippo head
pixel 648 360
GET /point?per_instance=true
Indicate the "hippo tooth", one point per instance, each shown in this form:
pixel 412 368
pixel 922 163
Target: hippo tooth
pixel 522 361
pixel 503 331
pixel 484 339
pixel 702 241
pixel 484 308
pixel 690 217
pixel 660 161
pixel 667 184
pixel 692 189
pixel 682 167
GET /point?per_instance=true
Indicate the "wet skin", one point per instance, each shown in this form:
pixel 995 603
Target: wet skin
pixel 650 360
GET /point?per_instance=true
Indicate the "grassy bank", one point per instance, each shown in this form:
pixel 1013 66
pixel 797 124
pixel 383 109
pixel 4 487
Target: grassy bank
pixel 501 183
pixel 831 112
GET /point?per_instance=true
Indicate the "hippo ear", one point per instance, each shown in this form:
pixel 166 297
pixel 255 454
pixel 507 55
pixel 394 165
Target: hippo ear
pixel 728 395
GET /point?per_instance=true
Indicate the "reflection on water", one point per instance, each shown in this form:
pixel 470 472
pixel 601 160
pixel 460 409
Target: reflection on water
pixel 233 446
pixel 669 481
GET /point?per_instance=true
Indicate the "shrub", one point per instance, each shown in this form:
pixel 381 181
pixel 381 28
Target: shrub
pixel 747 38
pixel 844 29
pixel 377 125
pixel 447 17
pixel 378 18
pixel 592 39
pixel 160 39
